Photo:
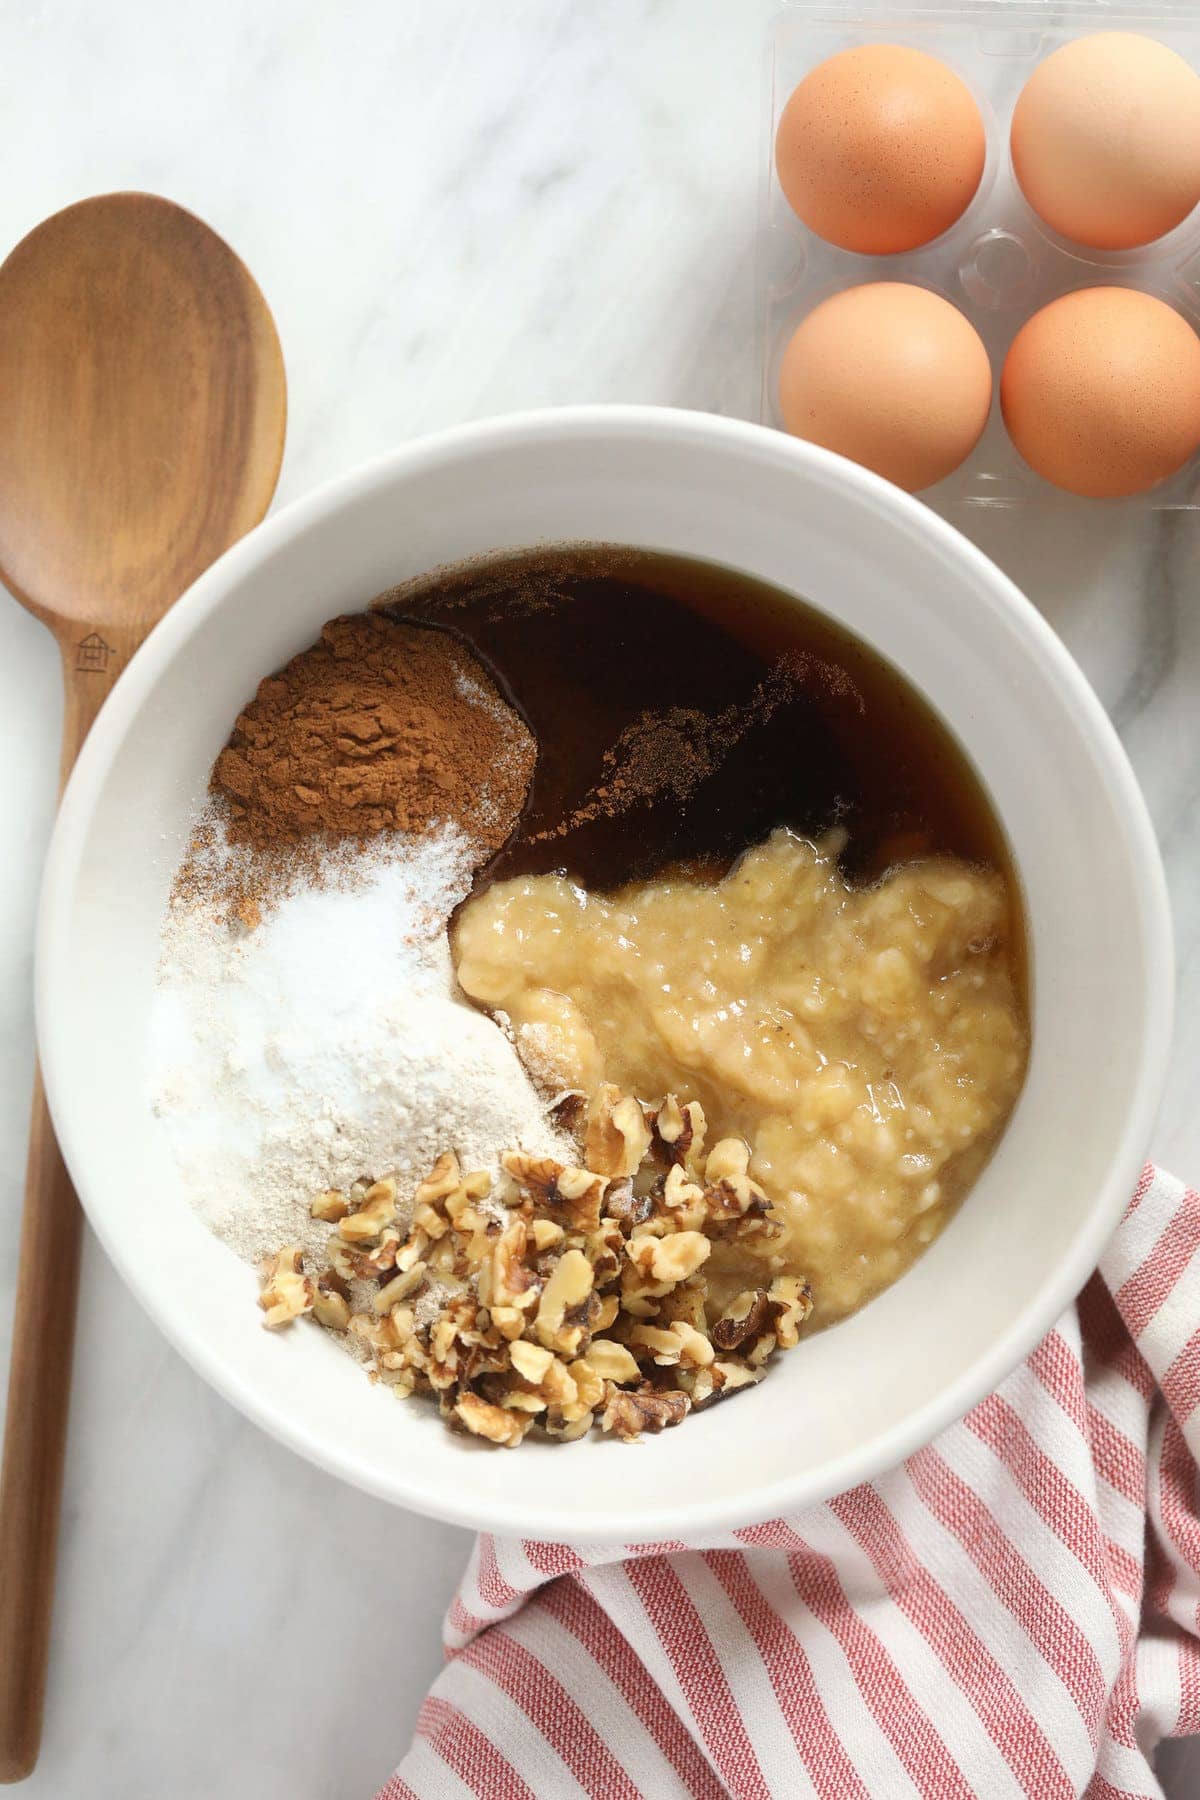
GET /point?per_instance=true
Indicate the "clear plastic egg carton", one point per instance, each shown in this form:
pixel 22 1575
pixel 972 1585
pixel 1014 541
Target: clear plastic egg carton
pixel 999 263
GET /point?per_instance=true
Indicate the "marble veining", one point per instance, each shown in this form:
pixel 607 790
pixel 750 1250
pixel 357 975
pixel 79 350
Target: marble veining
pixel 454 210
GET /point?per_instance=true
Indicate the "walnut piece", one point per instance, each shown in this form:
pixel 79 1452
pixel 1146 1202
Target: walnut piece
pixel 569 1286
pixel 287 1291
pixel 628 1415
pixel 618 1136
pixel 376 1209
pixel 330 1206
pixel 498 1423
pixel 743 1320
pixel 330 1309
pixel 611 1361
pixel 678 1132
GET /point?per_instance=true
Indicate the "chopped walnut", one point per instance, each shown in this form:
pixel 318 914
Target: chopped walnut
pixel 793 1300
pixel 669 1259
pixel 684 1199
pixel 530 1360
pixel 719 1380
pixel 572 1196
pixel 607 1310
pixel 533 1176
pixel 628 1415
pixel 585 1302
pixel 687 1302
pixel 569 1110
pixel 499 1423
pixel 331 1302
pixel 610 1361
pixel 743 1320
pixel 504 1278
pixel 678 1131
pixel 566 1431
pixel 287 1291
pixel 762 1320
pixel 330 1206
pixel 569 1285
pixel 399 1288
pixel 376 1209
pixel 626 1207
pixel 618 1136
pixel 441 1181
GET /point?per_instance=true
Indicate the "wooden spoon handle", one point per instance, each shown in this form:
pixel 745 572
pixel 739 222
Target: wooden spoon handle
pixel 39 1381
pixel 35 1438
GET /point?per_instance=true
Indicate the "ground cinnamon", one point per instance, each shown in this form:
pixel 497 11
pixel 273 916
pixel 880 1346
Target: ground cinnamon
pixel 668 753
pixel 380 726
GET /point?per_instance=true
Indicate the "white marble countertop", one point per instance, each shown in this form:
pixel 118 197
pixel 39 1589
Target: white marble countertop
pixel 454 209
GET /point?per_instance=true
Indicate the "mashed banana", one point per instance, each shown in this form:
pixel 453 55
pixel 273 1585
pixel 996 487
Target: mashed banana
pixel 870 1042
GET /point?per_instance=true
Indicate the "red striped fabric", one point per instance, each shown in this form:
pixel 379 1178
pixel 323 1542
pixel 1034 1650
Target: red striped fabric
pixel 1015 1611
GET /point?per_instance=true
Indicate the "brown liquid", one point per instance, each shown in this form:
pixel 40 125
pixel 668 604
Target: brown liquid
pixel 585 640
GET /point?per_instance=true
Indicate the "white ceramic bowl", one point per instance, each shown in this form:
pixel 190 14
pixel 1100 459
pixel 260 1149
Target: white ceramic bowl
pixel 856 1399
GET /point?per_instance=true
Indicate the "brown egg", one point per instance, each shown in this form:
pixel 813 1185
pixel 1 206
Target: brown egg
pixel 893 377
pixel 1106 140
pixel 880 148
pixel 1101 391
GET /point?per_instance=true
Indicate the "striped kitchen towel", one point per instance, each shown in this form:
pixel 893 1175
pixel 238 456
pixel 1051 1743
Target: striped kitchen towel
pixel 1014 1611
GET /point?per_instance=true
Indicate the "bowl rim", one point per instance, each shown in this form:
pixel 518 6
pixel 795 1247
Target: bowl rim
pixel 898 512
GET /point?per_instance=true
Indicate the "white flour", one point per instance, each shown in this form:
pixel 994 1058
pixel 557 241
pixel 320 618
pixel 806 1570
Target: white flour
pixel 327 1044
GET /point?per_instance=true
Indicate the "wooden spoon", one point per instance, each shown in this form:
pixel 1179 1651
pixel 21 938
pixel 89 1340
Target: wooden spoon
pixel 142 413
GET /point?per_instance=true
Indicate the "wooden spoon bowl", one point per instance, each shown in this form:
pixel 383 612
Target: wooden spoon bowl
pixel 141 433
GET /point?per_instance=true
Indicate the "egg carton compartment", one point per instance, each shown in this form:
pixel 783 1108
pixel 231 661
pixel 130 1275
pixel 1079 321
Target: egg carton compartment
pixel 999 263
